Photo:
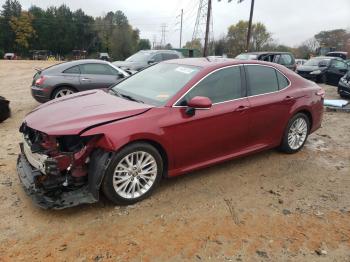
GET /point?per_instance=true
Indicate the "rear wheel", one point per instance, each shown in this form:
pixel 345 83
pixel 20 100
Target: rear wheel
pixel 296 133
pixel 63 91
pixel 133 174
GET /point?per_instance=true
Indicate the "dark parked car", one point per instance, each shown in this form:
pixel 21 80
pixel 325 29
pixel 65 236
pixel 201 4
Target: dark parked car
pixel 169 119
pixel 344 86
pixel 145 58
pixel 284 58
pixel 324 69
pixel 71 77
pixel 340 54
pixel 4 109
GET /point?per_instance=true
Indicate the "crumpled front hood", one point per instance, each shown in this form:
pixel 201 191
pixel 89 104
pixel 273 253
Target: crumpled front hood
pixel 72 114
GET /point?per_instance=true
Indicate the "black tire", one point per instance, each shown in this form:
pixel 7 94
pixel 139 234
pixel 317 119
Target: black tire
pixel 285 147
pixel 57 90
pixel 5 111
pixel 324 79
pixel 107 183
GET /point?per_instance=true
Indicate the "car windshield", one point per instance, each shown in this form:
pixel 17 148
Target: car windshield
pixel 156 84
pixel 246 57
pixel 316 61
pixel 139 57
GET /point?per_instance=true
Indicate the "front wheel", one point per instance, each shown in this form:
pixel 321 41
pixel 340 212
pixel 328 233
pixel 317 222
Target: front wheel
pixel 133 174
pixel 296 133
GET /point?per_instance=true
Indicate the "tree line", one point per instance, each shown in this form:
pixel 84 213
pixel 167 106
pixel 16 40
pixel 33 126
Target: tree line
pixel 61 30
pixel 234 42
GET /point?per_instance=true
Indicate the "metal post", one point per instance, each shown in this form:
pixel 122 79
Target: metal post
pixel 205 51
pixel 182 13
pixel 250 24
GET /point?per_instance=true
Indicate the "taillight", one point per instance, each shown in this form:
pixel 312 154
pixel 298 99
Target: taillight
pixel 321 93
pixel 40 81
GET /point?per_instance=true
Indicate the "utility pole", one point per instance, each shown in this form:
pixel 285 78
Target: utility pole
pixel 163 27
pixel 205 51
pixel 182 14
pixel 250 24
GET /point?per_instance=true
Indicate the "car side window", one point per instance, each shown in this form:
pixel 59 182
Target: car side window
pixel 72 70
pixel 96 69
pixel 157 57
pixel 282 80
pixel 261 79
pixel 168 56
pixel 286 59
pixel 339 64
pixel 220 86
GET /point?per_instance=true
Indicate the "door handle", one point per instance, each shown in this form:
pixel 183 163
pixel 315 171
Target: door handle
pixel 241 108
pixel 288 98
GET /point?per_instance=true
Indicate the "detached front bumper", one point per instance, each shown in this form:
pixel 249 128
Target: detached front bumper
pixel 27 175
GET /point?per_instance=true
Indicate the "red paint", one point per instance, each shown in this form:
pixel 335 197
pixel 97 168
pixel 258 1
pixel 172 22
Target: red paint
pixel 227 130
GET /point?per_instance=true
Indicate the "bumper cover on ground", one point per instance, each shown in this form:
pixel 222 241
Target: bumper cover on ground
pixel 41 198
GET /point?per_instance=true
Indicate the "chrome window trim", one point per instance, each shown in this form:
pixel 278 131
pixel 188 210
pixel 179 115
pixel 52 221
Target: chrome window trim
pixel 200 80
pixel 226 101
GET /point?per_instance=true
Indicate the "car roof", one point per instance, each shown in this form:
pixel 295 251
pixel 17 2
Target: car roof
pixel 65 65
pixel 204 62
pixel 266 52
pixel 158 51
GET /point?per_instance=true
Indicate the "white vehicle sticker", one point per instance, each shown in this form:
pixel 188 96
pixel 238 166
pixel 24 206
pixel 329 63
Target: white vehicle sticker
pixel 184 70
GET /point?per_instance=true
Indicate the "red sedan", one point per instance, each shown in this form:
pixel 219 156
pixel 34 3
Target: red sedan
pixel 167 120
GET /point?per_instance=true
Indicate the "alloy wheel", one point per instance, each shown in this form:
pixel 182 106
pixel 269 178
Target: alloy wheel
pixel 64 92
pixel 135 174
pixel 297 133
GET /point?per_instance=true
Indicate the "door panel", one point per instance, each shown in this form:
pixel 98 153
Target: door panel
pixel 269 106
pixel 209 134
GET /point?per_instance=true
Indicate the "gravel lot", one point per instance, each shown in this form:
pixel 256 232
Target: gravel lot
pixel 266 207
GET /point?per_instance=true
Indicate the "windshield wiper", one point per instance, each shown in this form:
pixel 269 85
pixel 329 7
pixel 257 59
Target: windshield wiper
pixel 126 96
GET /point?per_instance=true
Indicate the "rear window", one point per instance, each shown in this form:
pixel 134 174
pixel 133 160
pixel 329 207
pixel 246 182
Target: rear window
pixel 282 80
pixel 262 79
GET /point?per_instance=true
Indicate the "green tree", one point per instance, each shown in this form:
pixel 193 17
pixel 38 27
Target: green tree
pixel 10 9
pixel 144 44
pixel 22 27
pixel 195 44
pixel 237 35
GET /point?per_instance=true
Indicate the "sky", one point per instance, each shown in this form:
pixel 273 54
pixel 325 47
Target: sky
pixel 290 21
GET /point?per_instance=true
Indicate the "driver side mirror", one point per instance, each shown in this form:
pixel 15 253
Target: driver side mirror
pixel 120 75
pixel 198 102
pixel 151 61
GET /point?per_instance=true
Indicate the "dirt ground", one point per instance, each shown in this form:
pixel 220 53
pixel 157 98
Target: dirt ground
pixel 266 207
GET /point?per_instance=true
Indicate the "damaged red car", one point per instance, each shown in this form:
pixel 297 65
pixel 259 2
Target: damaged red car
pixel 169 119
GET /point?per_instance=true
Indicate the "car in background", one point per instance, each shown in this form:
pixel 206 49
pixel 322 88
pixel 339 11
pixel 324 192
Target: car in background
pixel 5 111
pixel 104 56
pixel 75 76
pixel 10 56
pixel 145 58
pixel 283 58
pixel 324 69
pixel 167 120
pixel 340 54
pixel 300 62
pixel 344 86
